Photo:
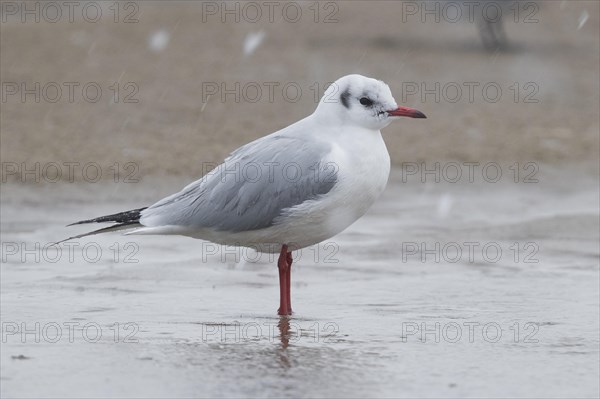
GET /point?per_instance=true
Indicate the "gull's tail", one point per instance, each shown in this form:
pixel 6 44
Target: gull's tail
pixel 122 220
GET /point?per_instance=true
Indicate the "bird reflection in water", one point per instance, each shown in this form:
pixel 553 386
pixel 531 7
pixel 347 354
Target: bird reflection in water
pixel 284 331
pixel 284 336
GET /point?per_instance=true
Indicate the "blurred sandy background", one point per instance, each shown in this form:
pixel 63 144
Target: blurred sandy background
pixel 170 53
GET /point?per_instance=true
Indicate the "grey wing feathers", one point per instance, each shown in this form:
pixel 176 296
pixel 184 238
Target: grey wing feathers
pixel 251 188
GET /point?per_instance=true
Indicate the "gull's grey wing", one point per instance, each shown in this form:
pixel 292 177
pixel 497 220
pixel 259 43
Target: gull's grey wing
pixel 251 188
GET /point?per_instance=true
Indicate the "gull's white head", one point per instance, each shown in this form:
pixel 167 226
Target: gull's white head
pixel 362 101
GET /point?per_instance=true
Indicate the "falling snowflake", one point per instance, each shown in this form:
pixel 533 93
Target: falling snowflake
pixel 159 40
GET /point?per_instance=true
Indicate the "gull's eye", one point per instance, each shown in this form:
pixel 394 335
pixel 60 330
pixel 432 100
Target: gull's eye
pixel 366 101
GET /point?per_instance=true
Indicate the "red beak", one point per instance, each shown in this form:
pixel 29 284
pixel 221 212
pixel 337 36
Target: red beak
pixel 405 111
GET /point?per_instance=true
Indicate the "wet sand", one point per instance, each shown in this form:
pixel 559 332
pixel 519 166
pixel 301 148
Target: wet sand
pixel 377 314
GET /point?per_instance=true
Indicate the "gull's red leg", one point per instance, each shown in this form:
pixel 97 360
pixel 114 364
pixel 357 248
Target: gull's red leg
pixel 289 282
pixel 282 265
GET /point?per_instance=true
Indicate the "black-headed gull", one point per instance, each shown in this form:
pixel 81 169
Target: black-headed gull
pixel 288 190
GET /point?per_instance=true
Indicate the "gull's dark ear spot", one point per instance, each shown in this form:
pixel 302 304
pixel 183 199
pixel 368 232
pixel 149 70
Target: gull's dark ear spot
pixel 344 97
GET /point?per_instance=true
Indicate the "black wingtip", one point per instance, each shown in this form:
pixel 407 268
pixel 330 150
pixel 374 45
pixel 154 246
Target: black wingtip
pixel 121 217
pixel 86 221
pixel 61 241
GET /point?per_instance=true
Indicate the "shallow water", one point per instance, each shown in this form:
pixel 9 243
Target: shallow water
pixel 380 310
